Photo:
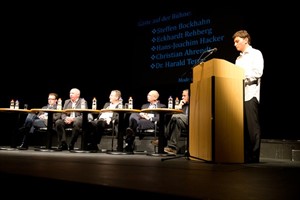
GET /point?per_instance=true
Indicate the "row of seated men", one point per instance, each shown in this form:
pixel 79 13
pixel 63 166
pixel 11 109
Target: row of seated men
pixel 97 125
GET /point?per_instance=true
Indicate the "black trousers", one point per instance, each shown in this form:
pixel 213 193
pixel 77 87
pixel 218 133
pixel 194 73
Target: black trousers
pixel 252 130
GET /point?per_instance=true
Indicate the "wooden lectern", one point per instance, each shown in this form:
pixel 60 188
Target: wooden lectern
pixel 216 131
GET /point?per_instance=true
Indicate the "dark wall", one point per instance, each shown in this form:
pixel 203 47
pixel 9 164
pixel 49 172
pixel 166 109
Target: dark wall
pixel 57 47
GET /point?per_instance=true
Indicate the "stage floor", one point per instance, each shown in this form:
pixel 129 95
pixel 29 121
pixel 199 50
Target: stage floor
pixel 140 176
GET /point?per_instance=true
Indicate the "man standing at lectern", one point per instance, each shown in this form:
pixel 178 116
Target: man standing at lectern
pixel 251 60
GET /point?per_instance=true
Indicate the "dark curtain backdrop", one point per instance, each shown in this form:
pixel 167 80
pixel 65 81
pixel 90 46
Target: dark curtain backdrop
pixel 53 48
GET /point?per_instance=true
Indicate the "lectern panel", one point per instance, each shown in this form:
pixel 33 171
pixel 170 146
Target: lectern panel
pixel 216 116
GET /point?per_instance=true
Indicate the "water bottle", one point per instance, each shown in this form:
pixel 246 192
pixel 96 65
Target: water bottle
pixel 59 104
pixel 94 104
pixel 12 104
pixel 130 103
pixel 17 104
pixel 121 103
pixel 177 104
pixel 170 102
pixel 82 105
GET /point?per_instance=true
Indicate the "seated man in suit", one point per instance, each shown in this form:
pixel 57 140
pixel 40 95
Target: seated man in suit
pixel 105 120
pixel 73 120
pixel 38 120
pixel 177 123
pixel 142 120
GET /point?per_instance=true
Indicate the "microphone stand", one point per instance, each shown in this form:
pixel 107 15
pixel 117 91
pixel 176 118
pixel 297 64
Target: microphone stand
pixel 199 61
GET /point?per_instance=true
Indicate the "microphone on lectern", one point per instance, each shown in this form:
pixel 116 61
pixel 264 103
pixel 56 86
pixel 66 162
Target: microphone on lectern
pixel 212 50
pixel 208 53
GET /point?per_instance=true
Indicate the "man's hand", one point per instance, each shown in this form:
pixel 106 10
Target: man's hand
pixel 144 115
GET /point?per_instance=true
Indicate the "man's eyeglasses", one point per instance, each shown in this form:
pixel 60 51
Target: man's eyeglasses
pixel 51 99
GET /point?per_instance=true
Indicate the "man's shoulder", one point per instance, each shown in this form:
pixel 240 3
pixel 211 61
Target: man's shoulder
pixel 67 100
pixel 106 104
pixel 145 105
pixel 161 105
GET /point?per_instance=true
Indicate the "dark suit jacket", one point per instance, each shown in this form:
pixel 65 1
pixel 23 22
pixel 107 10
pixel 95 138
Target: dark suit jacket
pixel 156 115
pixel 185 109
pixel 56 116
pixel 68 105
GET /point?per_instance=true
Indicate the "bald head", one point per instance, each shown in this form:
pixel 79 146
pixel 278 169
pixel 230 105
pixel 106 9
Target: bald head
pixel 74 94
pixel 154 94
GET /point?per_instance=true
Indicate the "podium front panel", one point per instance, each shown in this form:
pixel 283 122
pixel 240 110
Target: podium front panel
pixel 216 116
